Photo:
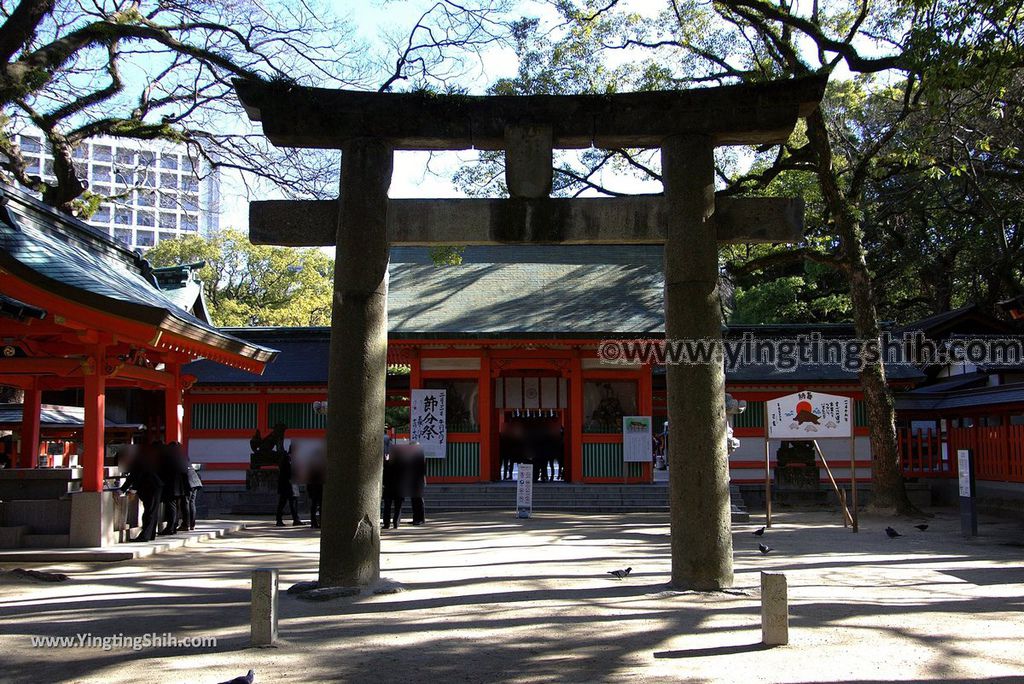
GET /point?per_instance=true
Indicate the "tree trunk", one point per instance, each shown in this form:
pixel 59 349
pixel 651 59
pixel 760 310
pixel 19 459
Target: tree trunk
pixel 888 490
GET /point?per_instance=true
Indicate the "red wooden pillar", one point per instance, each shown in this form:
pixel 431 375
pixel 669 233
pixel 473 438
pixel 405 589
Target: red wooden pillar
pixel 92 441
pixel 576 417
pixel 30 427
pixel 172 399
pixel 645 407
pixel 486 411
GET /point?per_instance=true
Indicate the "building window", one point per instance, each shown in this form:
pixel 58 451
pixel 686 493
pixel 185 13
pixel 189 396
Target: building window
pixel 226 416
pixel 1017 419
pixel 605 402
pixel 48 168
pixel 190 223
pixel 991 421
pixel 461 400
pixel 101 190
pixel 144 198
pixel 123 177
pixel 101 174
pixel 168 201
pixel 168 220
pixel 168 161
pixel 190 203
pixel 81 151
pixel 102 215
pixel 169 180
pixel 190 184
pixel 102 153
pixel 30 143
pixel 147 160
pixel 125 157
pixel 32 166
pixel 147 179
pixel 145 218
pixel 167 236
pixel 123 215
pixel 124 236
pixel 144 238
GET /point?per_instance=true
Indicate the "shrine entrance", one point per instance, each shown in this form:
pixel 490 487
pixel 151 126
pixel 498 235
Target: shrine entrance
pixel 688 219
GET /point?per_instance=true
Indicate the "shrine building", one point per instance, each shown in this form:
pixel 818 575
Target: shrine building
pixel 512 334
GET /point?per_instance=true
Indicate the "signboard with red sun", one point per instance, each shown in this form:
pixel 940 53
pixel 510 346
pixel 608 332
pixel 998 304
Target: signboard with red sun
pixel 809 415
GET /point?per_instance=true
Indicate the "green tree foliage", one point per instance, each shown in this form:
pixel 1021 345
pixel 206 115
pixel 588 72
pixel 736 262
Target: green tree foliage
pixel 255 285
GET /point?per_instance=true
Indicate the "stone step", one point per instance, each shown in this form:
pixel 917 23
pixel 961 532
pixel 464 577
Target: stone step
pixel 46 541
pixel 12 536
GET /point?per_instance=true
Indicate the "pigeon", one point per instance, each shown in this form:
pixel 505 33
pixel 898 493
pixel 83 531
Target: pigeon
pixel 922 526
pixel 892 533
pixel 248 678
pixel 620 573
pixel 764 549
pixel 759 533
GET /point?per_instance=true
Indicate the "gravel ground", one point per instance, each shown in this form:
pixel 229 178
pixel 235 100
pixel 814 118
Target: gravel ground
pixel 488 598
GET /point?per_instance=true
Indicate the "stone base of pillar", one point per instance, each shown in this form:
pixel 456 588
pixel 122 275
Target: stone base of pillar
pixel 93 519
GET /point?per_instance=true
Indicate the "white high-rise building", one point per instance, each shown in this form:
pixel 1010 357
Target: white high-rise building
pixel 156 191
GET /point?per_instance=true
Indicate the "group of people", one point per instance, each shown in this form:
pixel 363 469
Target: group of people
pixel 290 475
pixel 162 477
pixel 405 476
pixel 535 441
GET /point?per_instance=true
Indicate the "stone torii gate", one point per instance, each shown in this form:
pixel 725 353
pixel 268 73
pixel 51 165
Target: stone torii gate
pixel 687 218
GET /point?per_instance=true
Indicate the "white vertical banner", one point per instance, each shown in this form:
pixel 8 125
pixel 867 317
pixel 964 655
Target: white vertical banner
pixel 524 490
pixel 637 440
pixel 427 424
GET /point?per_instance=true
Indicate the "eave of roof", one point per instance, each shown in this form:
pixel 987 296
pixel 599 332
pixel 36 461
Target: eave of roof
pixel 73 260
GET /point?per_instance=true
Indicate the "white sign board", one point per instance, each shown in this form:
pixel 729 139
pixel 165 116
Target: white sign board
pixel 637 441
pixel 524 491
pixel 963 464
pixel 809 415
pixel 427 425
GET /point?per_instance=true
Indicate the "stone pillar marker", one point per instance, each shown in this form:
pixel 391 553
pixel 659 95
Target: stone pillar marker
pixel 263 607
pixel 699 499
pixel 528 161
pixel 350 538
pixel 774 609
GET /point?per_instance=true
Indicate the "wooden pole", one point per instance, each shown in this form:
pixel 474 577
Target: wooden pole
pixel 767 471
pixel 853 481
pixel 767 482
pixel 839 493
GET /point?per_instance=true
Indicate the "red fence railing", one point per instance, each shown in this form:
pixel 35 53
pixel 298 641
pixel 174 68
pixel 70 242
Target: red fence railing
pixel 998 452
pixel 921 454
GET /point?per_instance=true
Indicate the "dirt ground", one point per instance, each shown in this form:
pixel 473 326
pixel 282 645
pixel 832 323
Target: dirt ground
pixel 489 598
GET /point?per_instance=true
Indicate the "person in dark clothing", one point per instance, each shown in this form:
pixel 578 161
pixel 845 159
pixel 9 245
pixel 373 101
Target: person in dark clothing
pixel 286 490
pixel 408 471
pixel 144 480
pixel 417 482
pixel 174 475
pixel 315 485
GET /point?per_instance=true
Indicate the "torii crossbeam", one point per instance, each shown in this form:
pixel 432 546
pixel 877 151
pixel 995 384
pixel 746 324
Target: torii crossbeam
pixel 686 217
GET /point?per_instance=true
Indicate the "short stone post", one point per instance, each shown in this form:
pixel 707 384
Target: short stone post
pixel 263 608
pixel 774 609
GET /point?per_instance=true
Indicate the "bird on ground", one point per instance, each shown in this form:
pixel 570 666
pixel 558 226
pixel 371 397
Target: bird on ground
pixel 759 533
pixel 892 533
pixel 248 678
pixel 620 573
pixel 764 549
pixel 922 527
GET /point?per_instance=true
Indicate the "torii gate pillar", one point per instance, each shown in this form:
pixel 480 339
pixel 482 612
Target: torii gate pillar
pixel 699 501
pixel 357 369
